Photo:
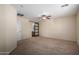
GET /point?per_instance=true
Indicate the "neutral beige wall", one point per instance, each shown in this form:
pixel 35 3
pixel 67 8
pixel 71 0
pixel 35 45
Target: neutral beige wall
pixel 2 28
pixel 61 28
pixel 77 31
pixel 7 29
pixel 11 19
pixel 26 27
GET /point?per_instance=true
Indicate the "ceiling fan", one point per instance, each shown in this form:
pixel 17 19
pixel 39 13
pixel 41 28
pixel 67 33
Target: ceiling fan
pixel 43 17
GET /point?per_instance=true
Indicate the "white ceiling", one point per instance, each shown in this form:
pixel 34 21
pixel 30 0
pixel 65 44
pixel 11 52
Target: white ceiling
pixel 55 10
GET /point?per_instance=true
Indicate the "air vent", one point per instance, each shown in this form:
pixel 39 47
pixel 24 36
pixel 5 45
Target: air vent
pixel 65 5
pixel 19 14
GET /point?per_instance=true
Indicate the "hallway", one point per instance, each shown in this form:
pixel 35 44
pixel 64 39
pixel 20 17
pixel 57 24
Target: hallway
pixel 45 46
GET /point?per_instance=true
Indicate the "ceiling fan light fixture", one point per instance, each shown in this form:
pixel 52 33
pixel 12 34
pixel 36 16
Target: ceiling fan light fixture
pixel 44 18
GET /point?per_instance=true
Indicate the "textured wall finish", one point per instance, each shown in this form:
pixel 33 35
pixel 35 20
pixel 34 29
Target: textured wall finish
pixel 8 41
pixel 61 28
pixel 77 32
pixel 26 27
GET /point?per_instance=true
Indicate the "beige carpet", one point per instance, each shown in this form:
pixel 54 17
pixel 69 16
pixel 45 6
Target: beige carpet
pixel 46 46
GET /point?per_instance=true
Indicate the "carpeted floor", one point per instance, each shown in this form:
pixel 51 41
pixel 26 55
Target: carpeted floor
pixel 45 46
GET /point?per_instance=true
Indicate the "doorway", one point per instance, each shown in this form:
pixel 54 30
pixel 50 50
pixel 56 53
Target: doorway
pixel 19 34
pixel 35 29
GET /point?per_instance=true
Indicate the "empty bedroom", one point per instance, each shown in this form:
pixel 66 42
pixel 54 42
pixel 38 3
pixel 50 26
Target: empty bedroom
pixel 39 29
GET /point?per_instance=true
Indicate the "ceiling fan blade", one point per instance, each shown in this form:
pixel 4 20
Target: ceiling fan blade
pixel 49 17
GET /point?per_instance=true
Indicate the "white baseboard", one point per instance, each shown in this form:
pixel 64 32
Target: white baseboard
pixel 4 53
